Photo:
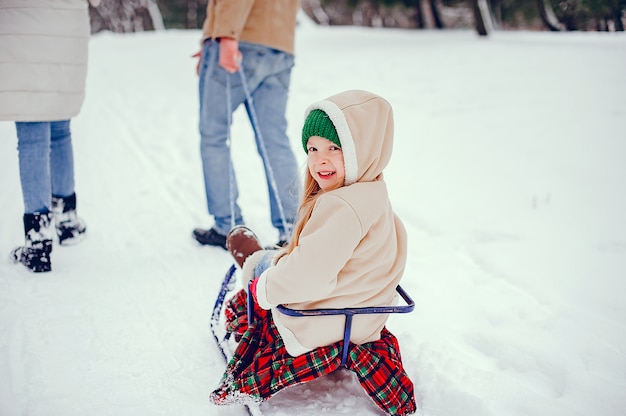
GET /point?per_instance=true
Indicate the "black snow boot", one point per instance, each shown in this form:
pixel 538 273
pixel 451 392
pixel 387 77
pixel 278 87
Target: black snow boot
pixel 35 254
pixel 209 237
pixel 69 227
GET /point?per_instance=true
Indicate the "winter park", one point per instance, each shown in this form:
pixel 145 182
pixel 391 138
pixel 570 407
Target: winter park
pixel 507 172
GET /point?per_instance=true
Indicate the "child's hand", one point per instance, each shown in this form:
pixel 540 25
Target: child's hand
pixel 230 57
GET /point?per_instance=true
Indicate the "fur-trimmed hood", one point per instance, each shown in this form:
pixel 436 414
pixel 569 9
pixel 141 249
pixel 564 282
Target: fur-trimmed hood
pixel 364 123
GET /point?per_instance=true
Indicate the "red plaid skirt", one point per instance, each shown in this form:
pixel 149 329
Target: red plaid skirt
pixel 261 366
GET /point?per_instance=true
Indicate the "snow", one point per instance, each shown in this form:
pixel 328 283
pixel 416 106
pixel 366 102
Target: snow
pixel 507 172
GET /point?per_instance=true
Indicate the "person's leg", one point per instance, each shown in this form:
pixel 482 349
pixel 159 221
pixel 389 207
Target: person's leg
pixel 70 228
pixel 281 169
pixel 220 185
pixel 61 159
pixel 33 144
pixel 34 162
pixel 265 262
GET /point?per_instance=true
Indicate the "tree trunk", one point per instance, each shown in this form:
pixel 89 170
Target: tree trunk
pixel 617 17
pixel 155 15
pixel 482 17
pixel 548 17
pixel 315 11
pixel 434 8
pixel 419 17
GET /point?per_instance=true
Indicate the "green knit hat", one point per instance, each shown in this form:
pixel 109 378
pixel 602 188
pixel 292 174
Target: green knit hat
pixel 318 123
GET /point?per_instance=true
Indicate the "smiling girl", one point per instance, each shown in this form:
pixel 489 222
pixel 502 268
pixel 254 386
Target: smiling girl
pixel 348 250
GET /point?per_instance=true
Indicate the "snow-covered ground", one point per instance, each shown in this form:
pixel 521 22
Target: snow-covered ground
pixel 508 172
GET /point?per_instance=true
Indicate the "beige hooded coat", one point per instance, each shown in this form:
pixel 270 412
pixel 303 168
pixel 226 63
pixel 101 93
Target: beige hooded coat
pixel 43 58
pixel 352 252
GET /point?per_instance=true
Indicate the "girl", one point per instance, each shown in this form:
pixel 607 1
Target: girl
pixel 348 249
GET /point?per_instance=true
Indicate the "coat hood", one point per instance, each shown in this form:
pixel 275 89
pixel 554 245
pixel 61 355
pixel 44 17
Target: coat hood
pixel 364 124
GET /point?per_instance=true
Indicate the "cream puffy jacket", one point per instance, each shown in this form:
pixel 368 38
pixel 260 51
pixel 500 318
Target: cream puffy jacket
pixel 43 58
pixel 352 252
pixel 270 23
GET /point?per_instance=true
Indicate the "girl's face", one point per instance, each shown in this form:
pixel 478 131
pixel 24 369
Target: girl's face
pixel 325 162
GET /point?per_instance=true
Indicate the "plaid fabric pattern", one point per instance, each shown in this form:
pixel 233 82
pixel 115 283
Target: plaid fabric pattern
pixel 236 314
pixel 261 366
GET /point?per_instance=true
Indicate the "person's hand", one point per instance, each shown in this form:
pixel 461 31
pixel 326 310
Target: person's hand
pixel 198 56
pixel 230 57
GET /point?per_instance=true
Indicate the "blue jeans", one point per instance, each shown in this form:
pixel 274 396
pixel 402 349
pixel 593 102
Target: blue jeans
pixel 265 263
pixel 268 74
pixel 46 161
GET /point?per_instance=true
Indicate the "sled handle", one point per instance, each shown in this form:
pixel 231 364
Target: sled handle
pixel 409 307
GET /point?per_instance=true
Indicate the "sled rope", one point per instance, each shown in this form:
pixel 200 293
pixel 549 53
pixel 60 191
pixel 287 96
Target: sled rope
pixel 263 150
pixel 231 169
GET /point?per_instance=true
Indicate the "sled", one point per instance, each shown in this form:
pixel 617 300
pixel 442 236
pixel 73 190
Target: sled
pixel 223 337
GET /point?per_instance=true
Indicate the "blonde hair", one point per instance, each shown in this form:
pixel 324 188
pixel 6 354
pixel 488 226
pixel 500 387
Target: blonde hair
pixel 311 191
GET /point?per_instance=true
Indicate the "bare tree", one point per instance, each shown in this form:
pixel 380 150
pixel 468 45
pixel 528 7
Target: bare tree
pixel 126 16
pixel 434 9
pixel 548 17
pixel 482 17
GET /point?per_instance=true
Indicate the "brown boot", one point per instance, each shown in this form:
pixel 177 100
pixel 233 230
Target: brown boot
pixel 241 242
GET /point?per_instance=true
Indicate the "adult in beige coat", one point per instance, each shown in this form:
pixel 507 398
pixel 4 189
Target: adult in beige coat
pixel 43 68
